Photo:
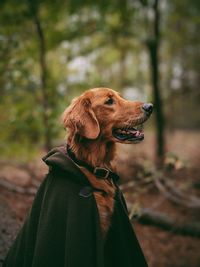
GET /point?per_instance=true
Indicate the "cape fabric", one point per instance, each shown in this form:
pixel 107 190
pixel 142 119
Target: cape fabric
pixel 63 227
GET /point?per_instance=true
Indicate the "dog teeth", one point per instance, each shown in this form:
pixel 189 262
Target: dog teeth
pixel 132 130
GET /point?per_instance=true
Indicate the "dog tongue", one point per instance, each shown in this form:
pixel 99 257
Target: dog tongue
pixel 136 133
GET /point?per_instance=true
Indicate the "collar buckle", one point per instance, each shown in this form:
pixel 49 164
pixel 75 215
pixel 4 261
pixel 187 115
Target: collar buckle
pixel 101 172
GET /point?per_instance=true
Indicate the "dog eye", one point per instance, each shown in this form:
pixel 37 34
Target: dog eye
pixel 109 102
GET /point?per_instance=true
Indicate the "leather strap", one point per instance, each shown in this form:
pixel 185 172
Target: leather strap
pixel 99 172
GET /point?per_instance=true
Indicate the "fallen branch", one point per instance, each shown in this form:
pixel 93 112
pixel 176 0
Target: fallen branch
pixel 165 222
pixel 175 195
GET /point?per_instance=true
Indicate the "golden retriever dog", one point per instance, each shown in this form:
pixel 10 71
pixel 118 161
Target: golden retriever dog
pixel 96 121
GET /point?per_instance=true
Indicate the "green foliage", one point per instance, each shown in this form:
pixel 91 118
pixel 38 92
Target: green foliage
pixel 88 44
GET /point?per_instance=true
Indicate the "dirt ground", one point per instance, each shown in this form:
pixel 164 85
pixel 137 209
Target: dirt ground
pixel 161 248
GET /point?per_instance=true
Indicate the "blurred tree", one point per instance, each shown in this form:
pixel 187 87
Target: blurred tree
pixel 181 52
pixel 34 10
pixel 52 51
pixel 153 45
pixel 27 85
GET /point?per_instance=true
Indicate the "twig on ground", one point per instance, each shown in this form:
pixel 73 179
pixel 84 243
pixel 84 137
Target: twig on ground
pixel 175 195
pixel 165 222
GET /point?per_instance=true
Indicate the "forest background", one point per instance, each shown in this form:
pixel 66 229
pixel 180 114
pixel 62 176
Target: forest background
pixel 52 51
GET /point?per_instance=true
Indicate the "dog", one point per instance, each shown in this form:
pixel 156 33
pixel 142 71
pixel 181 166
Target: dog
pixel 96 121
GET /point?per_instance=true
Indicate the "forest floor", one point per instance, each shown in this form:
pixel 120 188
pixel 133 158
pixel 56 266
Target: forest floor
pixel 135 163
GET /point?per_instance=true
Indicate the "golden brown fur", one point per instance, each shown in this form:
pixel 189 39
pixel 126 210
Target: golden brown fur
pixel 105 201
pixel 90 121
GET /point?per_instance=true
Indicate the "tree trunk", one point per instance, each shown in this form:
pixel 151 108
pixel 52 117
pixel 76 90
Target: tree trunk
pixel 167 223
pixel 43 75
pixel 153 47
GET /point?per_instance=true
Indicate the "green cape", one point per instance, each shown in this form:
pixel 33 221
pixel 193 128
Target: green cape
pixel 63 228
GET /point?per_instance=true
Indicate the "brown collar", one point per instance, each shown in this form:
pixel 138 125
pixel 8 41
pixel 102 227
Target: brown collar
pixel 99 172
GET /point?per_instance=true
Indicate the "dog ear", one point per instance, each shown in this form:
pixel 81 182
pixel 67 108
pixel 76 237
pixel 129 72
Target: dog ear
pixel 80 117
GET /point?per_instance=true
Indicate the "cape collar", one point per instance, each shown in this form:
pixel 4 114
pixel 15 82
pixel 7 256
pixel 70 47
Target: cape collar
pixel 99 172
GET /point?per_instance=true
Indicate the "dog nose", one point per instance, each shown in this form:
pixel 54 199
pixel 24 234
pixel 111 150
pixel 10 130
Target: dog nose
pixel 148 108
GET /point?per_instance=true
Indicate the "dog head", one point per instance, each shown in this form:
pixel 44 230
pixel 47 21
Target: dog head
pixel 102 113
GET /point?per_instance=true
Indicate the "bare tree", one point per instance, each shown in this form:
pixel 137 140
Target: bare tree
pixel 153 45
pixel 34 9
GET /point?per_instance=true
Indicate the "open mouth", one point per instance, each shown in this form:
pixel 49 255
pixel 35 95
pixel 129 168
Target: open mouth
pixel 133 134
